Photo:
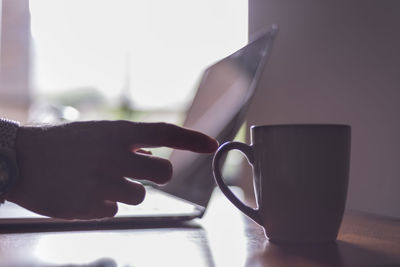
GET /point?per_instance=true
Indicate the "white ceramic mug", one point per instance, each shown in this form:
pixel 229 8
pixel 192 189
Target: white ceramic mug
pixel 300 177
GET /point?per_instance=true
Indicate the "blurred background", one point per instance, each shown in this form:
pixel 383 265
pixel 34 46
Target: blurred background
pixel 98 59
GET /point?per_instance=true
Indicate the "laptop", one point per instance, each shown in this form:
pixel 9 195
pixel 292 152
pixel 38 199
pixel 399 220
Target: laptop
pixel 218 109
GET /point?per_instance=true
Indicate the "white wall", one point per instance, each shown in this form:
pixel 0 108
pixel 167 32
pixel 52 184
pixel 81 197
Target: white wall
pixel 14 52
pixel 339 62
pixel 14 59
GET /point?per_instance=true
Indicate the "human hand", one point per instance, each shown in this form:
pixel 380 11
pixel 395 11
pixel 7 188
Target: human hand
pixel 77 170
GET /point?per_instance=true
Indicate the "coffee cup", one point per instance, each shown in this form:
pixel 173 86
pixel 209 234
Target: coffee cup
pixel 300 177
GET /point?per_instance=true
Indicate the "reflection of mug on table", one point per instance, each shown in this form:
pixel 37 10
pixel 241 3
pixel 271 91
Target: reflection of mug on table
pixel 300 178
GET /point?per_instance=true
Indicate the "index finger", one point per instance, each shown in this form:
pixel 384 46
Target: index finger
pixel 170 135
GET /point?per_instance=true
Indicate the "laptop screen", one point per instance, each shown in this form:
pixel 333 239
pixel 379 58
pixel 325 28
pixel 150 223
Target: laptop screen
pixel 218 109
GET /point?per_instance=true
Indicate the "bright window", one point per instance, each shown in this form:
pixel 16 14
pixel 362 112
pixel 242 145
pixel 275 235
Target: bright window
pixel 151 52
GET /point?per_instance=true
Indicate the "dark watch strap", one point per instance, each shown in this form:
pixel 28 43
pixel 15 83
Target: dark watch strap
pixel 8 133
pixel 8 136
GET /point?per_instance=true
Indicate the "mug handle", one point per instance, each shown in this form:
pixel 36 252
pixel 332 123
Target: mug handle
pixel 249 153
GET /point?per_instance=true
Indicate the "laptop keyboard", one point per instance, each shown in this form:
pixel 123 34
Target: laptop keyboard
pixel 157 203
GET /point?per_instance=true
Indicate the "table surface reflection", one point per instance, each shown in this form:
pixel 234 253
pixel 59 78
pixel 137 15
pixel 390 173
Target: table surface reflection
pixel 224 237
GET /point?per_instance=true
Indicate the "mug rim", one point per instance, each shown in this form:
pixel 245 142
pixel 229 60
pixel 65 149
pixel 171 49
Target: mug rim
pixel 306 125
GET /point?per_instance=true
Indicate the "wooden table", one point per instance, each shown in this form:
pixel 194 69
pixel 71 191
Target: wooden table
pixel 224 237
